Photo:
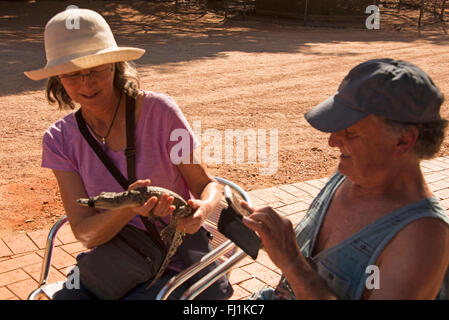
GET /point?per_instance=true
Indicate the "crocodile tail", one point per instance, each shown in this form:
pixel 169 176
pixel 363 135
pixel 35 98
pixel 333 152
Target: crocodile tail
pixel 177 240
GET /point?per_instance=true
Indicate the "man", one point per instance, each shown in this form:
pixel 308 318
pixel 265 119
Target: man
pixel 375 231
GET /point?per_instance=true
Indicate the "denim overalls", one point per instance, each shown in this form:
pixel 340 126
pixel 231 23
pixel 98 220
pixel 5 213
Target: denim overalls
pixel 344 266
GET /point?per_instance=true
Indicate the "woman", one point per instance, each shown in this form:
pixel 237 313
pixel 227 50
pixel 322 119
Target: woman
pixel 85 66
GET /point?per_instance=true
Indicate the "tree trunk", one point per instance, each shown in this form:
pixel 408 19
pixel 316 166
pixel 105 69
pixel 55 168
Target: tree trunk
pixel 443 8
pixel 421 12
pixel 244 9
pixel 226 9
pixel 305 12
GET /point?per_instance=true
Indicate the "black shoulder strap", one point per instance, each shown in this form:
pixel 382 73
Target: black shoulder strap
pixel 129 151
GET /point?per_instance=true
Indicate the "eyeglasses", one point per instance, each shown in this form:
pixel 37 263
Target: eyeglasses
pixel 93 75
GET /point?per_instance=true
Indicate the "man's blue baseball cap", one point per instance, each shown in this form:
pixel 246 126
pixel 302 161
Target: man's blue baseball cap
pixel 392 89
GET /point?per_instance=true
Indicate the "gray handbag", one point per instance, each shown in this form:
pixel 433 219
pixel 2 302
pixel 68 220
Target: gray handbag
pixel 113 269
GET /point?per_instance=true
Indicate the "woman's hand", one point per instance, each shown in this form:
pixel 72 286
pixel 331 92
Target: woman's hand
pixel 162 208
pixel 204 189
pixel 192 223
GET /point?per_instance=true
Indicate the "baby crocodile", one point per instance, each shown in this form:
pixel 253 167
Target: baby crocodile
pixel 137 197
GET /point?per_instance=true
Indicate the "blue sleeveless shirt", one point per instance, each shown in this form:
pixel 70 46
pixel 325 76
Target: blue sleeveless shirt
pixel 344 266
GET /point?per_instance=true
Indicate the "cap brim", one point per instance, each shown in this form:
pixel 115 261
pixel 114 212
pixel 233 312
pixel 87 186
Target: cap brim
pixel 111 56
pixel 332 115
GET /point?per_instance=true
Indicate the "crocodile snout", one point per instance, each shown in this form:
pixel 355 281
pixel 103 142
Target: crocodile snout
pixel 87 202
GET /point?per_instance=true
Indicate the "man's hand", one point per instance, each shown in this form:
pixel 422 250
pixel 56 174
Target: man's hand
pixel 279 240
pixel 276 233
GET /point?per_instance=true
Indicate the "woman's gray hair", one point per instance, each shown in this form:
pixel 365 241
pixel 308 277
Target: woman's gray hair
pixel 126 79
pixel 430 135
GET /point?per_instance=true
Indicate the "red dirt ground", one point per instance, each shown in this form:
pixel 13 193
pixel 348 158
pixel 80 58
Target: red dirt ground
pixel 229 74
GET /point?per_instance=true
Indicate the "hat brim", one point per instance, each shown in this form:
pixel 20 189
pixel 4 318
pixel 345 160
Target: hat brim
pixel 104 57
pixel 333 115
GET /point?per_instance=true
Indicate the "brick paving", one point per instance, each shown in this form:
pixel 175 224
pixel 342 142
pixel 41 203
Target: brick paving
pixel 21 255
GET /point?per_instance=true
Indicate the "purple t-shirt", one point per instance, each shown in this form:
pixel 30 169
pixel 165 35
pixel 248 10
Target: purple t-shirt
pixel 160 122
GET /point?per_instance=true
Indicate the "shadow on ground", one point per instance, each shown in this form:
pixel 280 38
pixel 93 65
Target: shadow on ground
pixel 190 34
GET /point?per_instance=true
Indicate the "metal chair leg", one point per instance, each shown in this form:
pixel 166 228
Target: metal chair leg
pixel 38 293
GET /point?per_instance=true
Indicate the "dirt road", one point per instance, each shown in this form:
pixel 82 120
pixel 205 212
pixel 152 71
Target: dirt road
pixel 259 75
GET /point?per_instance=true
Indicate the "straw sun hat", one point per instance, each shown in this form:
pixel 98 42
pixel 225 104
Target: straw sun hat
pixel 77 39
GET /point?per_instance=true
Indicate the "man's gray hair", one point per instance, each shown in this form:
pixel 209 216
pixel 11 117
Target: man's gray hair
pixel 430 135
